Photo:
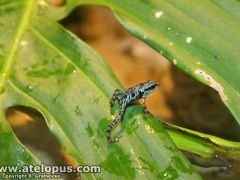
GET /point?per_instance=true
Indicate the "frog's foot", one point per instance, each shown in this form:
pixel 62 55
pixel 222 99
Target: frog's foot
pixel 112 126
pixel 114 139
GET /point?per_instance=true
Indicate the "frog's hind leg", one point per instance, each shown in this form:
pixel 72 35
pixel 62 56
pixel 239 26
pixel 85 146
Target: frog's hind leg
pixel 114 124
pixel 116 96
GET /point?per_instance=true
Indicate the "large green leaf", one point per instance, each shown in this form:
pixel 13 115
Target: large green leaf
pixel 201 37
pixel 47 68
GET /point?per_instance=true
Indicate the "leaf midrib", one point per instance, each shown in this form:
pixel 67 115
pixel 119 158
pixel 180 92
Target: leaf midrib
pixel 22 25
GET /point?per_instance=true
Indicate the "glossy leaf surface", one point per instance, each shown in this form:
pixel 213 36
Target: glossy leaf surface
pixel 47 68
pixel 202 38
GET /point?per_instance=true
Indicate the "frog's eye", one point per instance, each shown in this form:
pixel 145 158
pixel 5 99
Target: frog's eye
pixel 149 88
pixel 152 87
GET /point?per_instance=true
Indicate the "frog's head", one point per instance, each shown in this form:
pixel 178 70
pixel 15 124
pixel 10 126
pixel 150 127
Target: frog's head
pixel 150 86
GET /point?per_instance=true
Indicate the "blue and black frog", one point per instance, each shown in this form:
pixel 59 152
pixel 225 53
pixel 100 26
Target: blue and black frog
pixel 140 91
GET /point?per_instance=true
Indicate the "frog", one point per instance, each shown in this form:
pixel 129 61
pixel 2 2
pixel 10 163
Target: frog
pixel 124 99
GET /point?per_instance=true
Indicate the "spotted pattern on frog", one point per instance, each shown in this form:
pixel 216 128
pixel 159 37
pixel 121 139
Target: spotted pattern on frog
pixel 140 91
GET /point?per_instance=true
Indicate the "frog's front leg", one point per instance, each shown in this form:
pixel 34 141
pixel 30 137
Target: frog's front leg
pixel 116 96
pixel 144 106
pixel 114 124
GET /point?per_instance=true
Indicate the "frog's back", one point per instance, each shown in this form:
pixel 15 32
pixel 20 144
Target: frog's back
pixel 133 94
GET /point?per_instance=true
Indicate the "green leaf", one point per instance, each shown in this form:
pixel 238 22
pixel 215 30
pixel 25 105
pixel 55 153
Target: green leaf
pixel 200 37
pixel 47 68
